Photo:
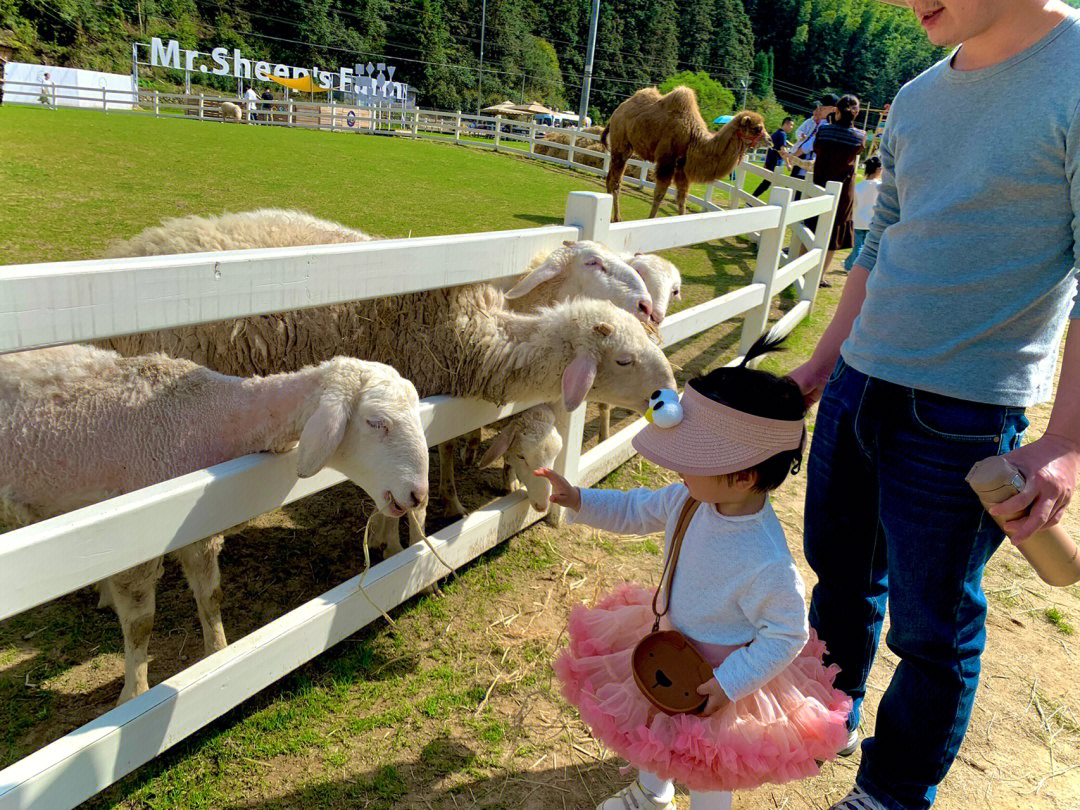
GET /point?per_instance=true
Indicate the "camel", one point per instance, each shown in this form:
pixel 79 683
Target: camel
pixel 669 130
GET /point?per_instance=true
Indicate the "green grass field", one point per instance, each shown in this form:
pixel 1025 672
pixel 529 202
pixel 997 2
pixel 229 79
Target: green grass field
pixel 438 713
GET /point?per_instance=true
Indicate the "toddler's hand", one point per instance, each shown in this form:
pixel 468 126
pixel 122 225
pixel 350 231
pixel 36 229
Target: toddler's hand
pixel 562 492
pixel 717 698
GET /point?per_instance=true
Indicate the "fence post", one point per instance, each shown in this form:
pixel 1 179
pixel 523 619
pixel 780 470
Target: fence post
pixel 591 213
pixel 333 112
pixel 740 183
pixel 416 123
pixel 457 127
pixel 768 262
pixel 572 150
pixel 202 108
pixel 292 113
pixel 532 137
pixel 821 242
pixel 104 100
pixel 643 174
pixel 709 190
pixel 498 130
pixel 155 104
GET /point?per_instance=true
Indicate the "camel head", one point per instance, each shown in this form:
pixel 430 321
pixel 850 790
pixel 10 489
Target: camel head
pixel 749 128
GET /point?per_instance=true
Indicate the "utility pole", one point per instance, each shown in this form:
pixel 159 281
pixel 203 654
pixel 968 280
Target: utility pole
pixel 586 84
pixel 745 82
pixel 480 77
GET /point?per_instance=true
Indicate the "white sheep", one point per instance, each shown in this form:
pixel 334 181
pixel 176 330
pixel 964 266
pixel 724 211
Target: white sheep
pixel 231 112
pixel 79 425
pixel 664 282
pixel 462 341
pixel 527 441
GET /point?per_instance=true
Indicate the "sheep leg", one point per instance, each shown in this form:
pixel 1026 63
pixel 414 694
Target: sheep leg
pixel 614 182
pixel 664 173
pixel 199 562
pixel 132 594
pixel 383 534
pixel 605 421
pixel 447 486
pixel 472 447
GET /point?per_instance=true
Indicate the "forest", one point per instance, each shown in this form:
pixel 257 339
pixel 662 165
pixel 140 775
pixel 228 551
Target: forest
pixel 773 55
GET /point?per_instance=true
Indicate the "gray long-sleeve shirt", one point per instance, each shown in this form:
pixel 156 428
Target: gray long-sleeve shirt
pixel 976 232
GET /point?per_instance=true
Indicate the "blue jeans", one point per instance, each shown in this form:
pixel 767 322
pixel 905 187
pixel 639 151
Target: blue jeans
pixel 890 520
pixel 860 237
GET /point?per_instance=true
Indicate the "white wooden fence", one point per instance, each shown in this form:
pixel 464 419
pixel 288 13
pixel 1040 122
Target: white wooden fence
pixel 49 304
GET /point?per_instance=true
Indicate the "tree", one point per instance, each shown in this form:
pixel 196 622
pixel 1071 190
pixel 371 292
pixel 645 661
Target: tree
pixel 713 98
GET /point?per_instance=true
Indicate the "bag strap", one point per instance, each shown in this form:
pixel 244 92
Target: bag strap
pixel 668 574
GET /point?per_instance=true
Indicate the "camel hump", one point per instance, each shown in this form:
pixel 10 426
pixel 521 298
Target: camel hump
pixel 683 97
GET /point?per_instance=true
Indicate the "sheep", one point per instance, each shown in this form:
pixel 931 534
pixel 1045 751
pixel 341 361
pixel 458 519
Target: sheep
pixel 80 424
pixel 669 131
pixel 664 282
pixel 231 112
pixel 527 442
pixel 263 228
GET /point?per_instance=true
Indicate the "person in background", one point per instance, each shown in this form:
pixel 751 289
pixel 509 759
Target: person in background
pixel 806 134
pixel 48 92
pixel 837 147
pixel 866 194
pixel 775 153
pixel 267 97
pixel 251 97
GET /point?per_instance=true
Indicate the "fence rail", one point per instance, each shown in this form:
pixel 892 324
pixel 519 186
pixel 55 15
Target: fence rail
pixel 46 304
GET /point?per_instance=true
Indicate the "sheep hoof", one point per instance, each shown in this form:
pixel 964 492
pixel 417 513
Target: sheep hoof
pixel 453 507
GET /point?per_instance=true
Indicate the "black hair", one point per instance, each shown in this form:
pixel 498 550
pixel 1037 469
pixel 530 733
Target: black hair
pixel 760 393
pixel 846 109
pixel 788 120
pixel 872 165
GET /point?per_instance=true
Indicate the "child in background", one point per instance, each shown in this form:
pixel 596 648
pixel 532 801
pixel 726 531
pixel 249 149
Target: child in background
pixel 771 712
pixel 866 194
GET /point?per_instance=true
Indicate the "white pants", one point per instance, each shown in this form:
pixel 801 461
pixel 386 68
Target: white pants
pixel 664 790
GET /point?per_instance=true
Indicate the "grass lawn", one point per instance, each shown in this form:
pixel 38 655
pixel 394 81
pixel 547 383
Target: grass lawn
pixel 457 707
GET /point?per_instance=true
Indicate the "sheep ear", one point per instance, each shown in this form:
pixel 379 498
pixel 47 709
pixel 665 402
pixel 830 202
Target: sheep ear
pixel 577 380
pixel 320 437
pixel 604 328
pixel 499 445
pixel 553 267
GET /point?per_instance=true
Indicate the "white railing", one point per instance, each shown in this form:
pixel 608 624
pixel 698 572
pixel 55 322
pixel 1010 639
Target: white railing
pixel 47 304
pixel 482 131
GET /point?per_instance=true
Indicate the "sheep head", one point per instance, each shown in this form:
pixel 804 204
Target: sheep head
pixel 528 442
pixel 662 280
pixel 366 424
pixel 588 270
pixel 613 359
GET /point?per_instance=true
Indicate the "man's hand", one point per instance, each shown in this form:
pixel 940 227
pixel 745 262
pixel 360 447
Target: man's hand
pixel 1050 465
pixel 717 698
pixel 562 492
pixel 811 378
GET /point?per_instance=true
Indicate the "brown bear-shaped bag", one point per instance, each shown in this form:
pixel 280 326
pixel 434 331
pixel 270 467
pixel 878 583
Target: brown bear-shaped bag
pixel 667 668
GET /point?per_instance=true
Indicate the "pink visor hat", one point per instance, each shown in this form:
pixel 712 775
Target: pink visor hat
pixel 716 439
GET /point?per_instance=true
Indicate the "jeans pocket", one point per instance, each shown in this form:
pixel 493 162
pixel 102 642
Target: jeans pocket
pixel 838 370
pixel 949 418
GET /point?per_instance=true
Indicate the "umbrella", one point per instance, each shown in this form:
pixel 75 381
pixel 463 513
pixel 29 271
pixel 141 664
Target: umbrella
pixel 722 119
pixel 303 85
pixel 533 108
pixel 502 107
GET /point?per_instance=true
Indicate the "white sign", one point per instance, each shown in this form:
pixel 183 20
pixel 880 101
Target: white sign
pixel 370 80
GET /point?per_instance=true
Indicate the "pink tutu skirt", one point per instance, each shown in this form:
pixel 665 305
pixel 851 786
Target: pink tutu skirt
pixel 777 734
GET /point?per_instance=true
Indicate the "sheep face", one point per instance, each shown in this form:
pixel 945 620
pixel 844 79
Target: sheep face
pixel 616 361
pixel 367 426
pixel 589 270
pixel 662 280
pixel 527 443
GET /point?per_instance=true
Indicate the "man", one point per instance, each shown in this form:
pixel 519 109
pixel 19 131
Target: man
pixel 807 131
pixel 252 97
pixel 775 153
pixel 948 327
pixel 47 98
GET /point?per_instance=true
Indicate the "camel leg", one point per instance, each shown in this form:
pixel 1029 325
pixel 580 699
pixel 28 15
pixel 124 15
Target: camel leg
pixel 682 188
pixel 132 594
pixel 663 180
pixel 447 487
pixel 199 562
pixel 605 421
pixel 614 182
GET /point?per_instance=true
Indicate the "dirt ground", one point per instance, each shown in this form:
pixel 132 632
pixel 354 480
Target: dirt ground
pixel 457 707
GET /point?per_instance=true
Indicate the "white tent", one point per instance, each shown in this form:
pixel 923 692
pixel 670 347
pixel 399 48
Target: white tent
pixel 74 87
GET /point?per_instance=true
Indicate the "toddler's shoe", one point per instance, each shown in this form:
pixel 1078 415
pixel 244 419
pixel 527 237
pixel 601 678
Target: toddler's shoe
pixel 852 744
pixel 634 797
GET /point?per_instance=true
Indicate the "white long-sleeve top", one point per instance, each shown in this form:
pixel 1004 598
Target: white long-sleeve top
pixel 735 580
